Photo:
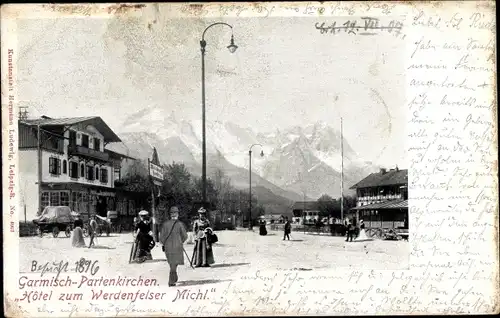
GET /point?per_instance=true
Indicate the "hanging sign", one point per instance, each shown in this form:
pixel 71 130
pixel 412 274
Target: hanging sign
pixel 155 169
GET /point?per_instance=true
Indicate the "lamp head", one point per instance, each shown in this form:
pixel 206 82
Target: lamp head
pixel 232 47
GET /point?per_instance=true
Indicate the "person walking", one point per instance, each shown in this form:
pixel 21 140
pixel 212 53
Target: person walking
pixel 350 231
pixel 288 229
pixel 77 239
pixel 173 235
pixel 144 239
pixel 262 226
pixel 93 230
pixel 203 255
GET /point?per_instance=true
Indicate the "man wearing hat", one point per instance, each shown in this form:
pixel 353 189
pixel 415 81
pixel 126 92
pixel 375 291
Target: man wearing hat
pixel 173 235
pixel 203 255
pixel 145 241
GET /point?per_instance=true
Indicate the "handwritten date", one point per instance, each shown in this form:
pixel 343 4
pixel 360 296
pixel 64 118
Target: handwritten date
pixel 368 26
pixel 81 266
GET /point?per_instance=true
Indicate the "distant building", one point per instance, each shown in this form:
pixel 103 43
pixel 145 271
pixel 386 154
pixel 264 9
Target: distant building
pixel 382 199
pixel 273 218
pixel 305 212
pixel 76 169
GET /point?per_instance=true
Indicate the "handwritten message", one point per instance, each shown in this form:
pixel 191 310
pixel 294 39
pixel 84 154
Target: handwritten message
pixel 451 133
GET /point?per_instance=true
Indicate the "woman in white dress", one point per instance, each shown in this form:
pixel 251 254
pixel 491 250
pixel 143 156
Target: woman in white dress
pixel 77 239
pixel 362 233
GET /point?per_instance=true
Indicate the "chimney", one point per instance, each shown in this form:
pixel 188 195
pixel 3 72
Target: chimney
pixel 383 170
pixel 23 113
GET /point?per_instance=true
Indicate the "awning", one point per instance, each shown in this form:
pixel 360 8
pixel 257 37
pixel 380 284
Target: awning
pixel 392 204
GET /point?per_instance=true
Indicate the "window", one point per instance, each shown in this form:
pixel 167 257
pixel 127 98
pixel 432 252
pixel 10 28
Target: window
pixel 82 170
pixel 85 140
pixel 54 166
pixel 104 175
pixel 97 144
pixel 74 201
pixel 90 173
pixel 73 169
pixel 65 198
pixel 65 167
pixel 72 138
pixel 97 173
pixel 45 199
pixel 54 198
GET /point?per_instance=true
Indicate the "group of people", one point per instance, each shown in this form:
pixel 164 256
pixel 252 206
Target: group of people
pixel 355 232
pixel 287 228
pixel 77 239
pixel 172 236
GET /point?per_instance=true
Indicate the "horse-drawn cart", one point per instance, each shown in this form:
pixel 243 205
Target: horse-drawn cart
pixel 55 219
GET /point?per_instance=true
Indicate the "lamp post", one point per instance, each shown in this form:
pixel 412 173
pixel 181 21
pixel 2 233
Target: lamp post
pixel 250 183
pixel 232 48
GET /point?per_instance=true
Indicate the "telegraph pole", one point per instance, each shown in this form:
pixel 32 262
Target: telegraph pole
pixel 341 172
pixel 39 154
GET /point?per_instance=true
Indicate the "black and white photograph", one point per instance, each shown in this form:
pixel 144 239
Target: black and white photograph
pixel 162 159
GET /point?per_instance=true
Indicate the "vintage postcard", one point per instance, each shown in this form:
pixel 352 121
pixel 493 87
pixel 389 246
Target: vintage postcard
pixel 235 159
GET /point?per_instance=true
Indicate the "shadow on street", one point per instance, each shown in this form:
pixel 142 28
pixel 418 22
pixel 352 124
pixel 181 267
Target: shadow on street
pixel 156 260
pixel 201 282
pixel 100 247
pixel 228 265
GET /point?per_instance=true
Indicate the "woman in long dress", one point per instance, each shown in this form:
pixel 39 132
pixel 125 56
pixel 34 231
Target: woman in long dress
pixel 203 255
pixel 144 239
pixel 262 229
pixel 77 239
pixel 362 233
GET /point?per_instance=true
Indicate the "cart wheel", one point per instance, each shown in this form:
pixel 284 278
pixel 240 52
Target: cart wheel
pixel 380 234
pixel 39 232
pixel 68 231
pixel 55 231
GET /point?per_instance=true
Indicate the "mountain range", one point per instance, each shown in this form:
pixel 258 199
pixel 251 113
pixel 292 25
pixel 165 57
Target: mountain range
pixel 297 163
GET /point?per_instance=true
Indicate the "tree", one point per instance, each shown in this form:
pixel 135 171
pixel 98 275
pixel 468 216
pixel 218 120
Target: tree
pixel 177 189
pixel 223 189
pixel 326 205
pixel 136 178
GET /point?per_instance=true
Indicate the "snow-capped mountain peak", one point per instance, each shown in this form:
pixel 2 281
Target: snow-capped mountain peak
pixel 313 150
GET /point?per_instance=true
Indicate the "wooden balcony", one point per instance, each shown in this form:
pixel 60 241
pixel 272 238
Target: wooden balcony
pixel 74 150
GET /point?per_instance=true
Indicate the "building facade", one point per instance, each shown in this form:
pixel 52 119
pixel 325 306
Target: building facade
pixel 382 199
pixel 68 159
pixel 305 212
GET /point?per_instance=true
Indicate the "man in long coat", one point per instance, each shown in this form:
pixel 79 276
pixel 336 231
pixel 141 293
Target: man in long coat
pixel 173 235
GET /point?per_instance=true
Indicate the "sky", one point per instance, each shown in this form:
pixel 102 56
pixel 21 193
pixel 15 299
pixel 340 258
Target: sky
pixel 284 73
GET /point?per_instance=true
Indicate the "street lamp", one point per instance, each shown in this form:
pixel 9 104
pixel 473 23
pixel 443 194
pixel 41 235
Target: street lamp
pixel 232 48
pixel 250 183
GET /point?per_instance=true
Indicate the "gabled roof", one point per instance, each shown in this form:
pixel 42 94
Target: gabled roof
pixel 391 177
pixel 108 134
pixel 118 155
pixel 307 205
